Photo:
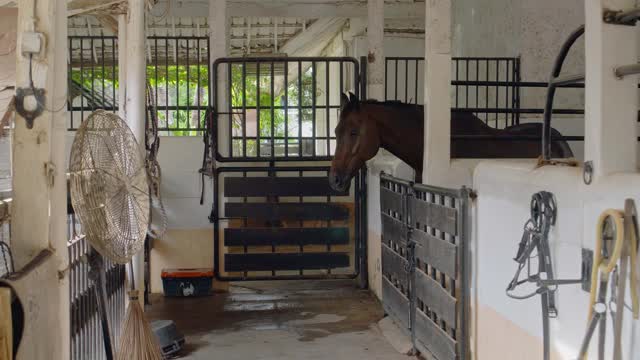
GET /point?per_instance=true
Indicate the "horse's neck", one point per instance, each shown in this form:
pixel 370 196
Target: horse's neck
pixel 400 133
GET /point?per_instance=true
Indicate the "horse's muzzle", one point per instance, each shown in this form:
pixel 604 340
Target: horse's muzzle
pixel 338 182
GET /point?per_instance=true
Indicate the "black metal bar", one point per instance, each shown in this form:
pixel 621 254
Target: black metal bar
pixel 82 78
pixel 70 77
pixel 327 115
pixel 166 82
pixel 177 117
pixel 258 117
pixel 300 108
pixel 361 77
pixel 466 65
pixel 273 120
pixel 406 81
pixel 314 82
pixel 497 90
pixel 395 94
pixel 457 65
pixel 188 86
pixel 155 93
pixel 230 103
pixel 386 79
pixel 486 100
pixel 93 76
pixel 244 106
pixel 416 82
pixel 199 87
pixel 517 90
pixel 103 73
pixel 286 109
pixel 551 90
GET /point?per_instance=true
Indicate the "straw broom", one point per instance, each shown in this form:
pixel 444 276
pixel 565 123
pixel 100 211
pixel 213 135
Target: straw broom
pixel 137 340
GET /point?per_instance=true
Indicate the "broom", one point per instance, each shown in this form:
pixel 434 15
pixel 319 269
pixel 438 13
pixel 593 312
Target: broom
pixel 137 340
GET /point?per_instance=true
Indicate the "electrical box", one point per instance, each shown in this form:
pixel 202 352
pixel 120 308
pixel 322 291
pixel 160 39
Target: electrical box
pixel 32 43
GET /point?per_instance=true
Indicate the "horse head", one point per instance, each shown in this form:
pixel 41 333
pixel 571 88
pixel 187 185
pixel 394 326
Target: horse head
pixel 358 140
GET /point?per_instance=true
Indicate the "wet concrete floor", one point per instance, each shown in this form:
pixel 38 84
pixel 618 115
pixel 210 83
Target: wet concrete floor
pixel 279 320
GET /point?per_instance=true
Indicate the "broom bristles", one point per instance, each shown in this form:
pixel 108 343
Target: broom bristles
pixel 137 340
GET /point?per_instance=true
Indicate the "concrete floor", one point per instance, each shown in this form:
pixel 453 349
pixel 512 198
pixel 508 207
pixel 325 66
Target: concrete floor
pixel 280 320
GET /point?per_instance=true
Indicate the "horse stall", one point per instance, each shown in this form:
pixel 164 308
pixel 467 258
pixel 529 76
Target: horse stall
pixel 277 218
pixel 506 195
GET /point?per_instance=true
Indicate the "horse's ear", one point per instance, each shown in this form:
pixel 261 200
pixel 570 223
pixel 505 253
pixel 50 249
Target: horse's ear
pixel 344 101
pixel 353 100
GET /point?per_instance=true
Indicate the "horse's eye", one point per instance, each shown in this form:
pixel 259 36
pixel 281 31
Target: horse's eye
pixel 354 133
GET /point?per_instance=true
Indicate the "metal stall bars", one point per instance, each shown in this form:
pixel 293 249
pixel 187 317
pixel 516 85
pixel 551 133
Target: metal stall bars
pixel 86 329
pixel 490 88
pixel 274 221
pixel 395 253
pixel 425 234
pixel 493 96
pixel 177 69
pixel 93 76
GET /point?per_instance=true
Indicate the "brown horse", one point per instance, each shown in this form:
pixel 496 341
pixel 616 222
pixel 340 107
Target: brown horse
pixel 367 126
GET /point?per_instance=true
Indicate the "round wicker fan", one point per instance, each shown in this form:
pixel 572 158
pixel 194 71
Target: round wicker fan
pixel 109 188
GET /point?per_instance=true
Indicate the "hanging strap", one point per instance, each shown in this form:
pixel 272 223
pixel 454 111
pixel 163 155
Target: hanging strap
pixel 535 237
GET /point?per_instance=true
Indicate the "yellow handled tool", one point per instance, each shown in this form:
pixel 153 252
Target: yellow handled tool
pixel 605 260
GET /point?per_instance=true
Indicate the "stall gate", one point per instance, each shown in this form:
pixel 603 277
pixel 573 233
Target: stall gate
pixel 275 216
pixel 425 269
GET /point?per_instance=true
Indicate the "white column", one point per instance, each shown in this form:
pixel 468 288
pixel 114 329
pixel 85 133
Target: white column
pixel 219 45
pixel 375 55
pixel 611 104
pixel 39 187
pixel 135 95
pixel 437 96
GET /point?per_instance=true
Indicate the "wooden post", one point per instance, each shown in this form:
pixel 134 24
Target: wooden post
pixel 611 104
pixel 437 96
pixel 375 55
pixel 38 222
pixel 219 45
pixel 135 96
pixel 6 325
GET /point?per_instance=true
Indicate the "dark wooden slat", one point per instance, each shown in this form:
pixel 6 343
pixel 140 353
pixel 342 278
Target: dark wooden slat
pixel 288 211
pixel 393 230
pixel 280 261
pixel 395 303
pixel 433 338
pixel 285 236
pixel 394 265
pixel 436 216
pixel 436 298
pixel 279 186
pixel 436 252
pixel 390 200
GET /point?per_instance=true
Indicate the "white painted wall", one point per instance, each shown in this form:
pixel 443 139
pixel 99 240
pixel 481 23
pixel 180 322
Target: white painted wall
pixel 499 214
